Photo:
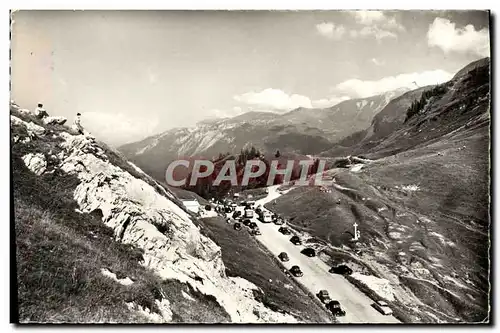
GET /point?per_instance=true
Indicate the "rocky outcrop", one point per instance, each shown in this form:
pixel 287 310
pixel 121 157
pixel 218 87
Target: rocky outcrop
pixel 54 120
pixel 33 129
pixel 173 246
pixel 36 163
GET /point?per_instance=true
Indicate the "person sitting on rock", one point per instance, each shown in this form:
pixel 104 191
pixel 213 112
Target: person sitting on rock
pixel 40 112
pixel 77 125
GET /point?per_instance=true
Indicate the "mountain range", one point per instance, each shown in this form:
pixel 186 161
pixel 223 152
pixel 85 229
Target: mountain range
pixel 301 131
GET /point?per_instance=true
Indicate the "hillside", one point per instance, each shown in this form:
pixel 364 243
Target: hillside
pixel 100 241
pixel 463 100
pixel 345 118
pixel 300 131
pixel 420 198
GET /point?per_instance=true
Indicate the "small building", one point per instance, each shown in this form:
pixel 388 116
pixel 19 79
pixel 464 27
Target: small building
pixel 191 205
pixel 189 200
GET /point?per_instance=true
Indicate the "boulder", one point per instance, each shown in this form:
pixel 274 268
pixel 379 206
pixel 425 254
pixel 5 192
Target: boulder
pixel 56 120
pixel 33 129
pixel 36 163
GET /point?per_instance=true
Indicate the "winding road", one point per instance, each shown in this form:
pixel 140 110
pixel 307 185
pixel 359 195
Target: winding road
pixel 357 305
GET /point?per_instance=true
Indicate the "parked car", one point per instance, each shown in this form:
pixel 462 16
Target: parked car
pixel 324 297
pixel 256 231
pixel 208 207
pixel 265 217
pixel 246 222
pixel 296 240
pixel 249 213
pixel 383 308
pixel 279 221
pixel 253 225
pixel 308 252
pixel 283 256
pixel 284 231
pixel 236 214
pixel 237 226
pixel 335 308
pixel 295 271
pixel 341 269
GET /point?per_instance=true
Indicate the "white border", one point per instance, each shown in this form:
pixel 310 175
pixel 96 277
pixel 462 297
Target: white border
pixel 186 4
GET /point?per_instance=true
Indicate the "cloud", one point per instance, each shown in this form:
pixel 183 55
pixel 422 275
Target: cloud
pixel 444 34
pixel 273 100
pixel 373 31
pixel 327 102
pixel 392 24
pixel 377 62
pixel 118 128
pixel 356 88
pixel 375 24
pixel 226 113
pixel 152 76
pixel 330 30
pixel 367 17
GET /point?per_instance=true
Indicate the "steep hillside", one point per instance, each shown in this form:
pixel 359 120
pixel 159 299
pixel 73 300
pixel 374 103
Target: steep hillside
pixel 99 241
pixel 420 198
pixel 345 118
pixel 301 131
pixel 462 100
pixel 383 123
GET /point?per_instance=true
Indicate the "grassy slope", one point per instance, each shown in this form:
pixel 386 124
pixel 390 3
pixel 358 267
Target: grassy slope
pixel 444 151
pixel 60 253
pixel 453 191
pixel 245 257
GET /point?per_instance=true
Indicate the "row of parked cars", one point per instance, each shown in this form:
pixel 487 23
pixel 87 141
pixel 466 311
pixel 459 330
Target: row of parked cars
pixel 266 217
pixel 332 305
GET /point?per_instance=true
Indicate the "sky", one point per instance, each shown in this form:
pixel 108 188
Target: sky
pixel 133 74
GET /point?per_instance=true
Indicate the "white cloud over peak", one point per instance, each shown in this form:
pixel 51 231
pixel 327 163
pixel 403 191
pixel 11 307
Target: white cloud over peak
pixel 218 113
pixel 327 102
pixel 444 34
pixel 276 100
pixel 356 88
pixel 330 30
pixel 273 100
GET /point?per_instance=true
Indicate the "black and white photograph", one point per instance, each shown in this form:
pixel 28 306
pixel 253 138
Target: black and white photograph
pixel 251 167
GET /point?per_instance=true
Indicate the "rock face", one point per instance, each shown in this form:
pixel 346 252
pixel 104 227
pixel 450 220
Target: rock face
pixel 54 120
pixel 173 246
pixel 36 163
pixel 32 128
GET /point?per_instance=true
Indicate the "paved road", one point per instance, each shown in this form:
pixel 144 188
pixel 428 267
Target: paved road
pixel 316 276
